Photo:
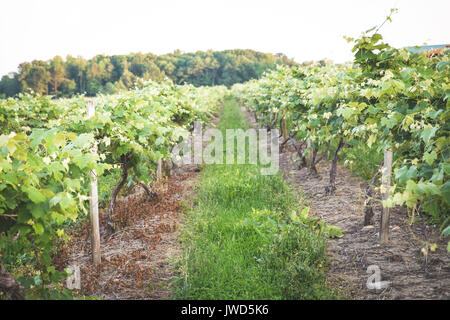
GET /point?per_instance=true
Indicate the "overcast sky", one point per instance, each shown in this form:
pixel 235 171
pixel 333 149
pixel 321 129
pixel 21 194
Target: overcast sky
pixel 304 30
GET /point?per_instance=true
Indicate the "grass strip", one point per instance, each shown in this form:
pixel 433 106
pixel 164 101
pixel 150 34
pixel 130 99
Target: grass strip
pixel 245 237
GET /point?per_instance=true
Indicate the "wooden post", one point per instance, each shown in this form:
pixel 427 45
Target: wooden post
pixel 93 201
pixel 386 184
pixel 309 148
pixel 74 281
pixel 167 168
pixel 159 172
pixel 285 132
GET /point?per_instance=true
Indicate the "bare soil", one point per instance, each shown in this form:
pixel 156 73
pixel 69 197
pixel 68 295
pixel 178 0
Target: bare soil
pixel 412 275
pixel 138 258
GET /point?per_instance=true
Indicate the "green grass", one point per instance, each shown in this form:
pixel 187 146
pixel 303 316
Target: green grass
pixel 363 166
pixel 241 240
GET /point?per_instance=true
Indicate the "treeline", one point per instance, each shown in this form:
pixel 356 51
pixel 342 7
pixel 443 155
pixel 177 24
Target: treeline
pixel 111 74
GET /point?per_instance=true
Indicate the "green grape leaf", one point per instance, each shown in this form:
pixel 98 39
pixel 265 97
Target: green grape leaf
pixel 430 157
pixel 34 194
pixel 84 140
pixel 428 133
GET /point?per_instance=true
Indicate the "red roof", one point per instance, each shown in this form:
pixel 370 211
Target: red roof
pixel 435 52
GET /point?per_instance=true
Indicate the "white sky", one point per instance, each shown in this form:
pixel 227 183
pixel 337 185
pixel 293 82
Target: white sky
pixel 304 30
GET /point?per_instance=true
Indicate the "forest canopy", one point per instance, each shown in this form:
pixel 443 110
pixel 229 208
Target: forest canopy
pixel 111 74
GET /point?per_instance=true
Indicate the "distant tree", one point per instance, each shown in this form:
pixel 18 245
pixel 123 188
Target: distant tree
pixel 35 76
pixel 93 87
pixel 100 69
pixel 138 69
pixel 76 71
pixel 108 74
pixel 167 65
pixel 109 88
pixel 68 87
pixel 120 86
pixel 138 64
pixel 128 79
pixel 57 73
pixel 10 85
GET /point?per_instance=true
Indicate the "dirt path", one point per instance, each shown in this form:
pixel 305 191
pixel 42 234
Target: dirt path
pixel 138 259
pixel 401 262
